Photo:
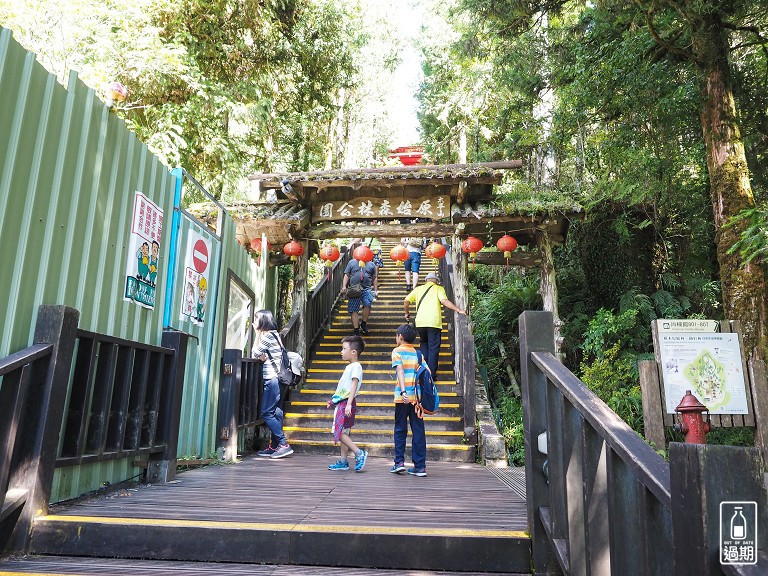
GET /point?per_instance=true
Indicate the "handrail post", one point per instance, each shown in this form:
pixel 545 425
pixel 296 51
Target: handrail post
pixel 229 403
pixel 536 335
pixel 163 467
pixel 701 477
pixel 35 451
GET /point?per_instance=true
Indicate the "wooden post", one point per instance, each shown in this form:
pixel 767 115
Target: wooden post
pixel 229 404
pixel 300 300
pixel 701 478
pixel 42 418
pixel 759 389
pixel 162 467
pixel 548 285
pixel 464 344
pixel 653 411
pixel 536 335
pixel 460 275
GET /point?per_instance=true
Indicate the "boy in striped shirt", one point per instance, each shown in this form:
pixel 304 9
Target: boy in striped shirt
pixel 405 362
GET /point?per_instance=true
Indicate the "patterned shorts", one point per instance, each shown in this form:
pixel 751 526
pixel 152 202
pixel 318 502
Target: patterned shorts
pixel 341 421
pixel 365 301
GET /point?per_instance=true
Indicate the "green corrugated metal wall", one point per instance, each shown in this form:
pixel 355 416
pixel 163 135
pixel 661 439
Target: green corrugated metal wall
pixel 69 170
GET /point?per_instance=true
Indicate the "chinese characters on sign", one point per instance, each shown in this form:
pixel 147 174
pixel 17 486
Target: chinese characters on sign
pixel 707 363
pixel 143 252
pixel 432 207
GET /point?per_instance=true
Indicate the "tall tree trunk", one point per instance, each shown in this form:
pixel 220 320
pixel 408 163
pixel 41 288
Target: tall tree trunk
pixel 743 287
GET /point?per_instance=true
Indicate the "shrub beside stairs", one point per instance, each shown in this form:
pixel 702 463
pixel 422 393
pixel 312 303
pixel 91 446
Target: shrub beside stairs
pixel 308 420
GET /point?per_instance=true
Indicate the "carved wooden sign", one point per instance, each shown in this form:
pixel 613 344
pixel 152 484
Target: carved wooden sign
pixel 432 207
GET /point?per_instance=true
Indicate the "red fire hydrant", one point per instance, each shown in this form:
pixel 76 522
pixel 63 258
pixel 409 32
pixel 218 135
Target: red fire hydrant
pixel 693 425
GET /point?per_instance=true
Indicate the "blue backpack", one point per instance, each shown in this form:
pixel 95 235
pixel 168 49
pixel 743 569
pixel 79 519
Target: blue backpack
pixel 427 398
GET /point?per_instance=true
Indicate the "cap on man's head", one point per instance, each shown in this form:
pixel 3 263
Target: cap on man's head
pixel 431 276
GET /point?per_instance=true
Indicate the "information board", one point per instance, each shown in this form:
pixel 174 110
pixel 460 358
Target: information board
pixel 707 363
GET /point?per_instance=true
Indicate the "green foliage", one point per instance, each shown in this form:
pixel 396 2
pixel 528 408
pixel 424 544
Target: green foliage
pixel 510 413
pixel 753 243
pixel 613 376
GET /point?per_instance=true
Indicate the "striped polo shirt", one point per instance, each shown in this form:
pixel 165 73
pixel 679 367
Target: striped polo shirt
pixel 406 357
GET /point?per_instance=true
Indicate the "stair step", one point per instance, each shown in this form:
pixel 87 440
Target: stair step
pixel 435 452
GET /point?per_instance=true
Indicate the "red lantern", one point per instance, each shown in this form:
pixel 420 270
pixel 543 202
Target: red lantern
pixel 362 254
pixel 506 244
pixel 256 245
pixel 399 254
pixel 329 253
pixel 435 250
pixel 293 249
pixel 472 246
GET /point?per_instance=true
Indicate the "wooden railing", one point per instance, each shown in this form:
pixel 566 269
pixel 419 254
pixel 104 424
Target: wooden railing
pixel 600 500
pixel 239 402
pixel 122 399
pixel 323 299
pixel 464 348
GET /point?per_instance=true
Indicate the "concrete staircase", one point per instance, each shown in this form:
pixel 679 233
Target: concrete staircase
pixel 308 421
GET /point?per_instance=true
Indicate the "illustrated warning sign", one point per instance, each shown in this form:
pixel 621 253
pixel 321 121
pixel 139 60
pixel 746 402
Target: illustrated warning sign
pixel 196 279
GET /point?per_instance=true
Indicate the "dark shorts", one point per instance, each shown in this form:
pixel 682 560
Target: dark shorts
pixel 365 301
pixel 341 421
pixel 413 263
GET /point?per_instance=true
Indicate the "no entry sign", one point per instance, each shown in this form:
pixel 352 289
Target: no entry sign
pixel 200 256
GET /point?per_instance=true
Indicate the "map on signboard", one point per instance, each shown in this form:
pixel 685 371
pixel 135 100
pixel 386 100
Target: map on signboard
pixel 706 363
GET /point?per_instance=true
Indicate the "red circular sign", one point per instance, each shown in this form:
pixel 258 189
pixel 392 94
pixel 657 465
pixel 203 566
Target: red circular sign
pixel 200 256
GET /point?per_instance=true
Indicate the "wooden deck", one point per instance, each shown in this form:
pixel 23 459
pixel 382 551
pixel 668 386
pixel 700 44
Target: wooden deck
pixel 296 511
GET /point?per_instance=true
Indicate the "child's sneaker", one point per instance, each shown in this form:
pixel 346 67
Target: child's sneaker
pixel 417 471
pixel 360 461
pixel 282 451
pixel 267 452
pixel 339 465
pixel 397 468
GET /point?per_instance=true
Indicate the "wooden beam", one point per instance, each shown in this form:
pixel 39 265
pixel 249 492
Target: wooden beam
pixel 360 230
pixel 291 176
pixel 524 259
pixel 308 186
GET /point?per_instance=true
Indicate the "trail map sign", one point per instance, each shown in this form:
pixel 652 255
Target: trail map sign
pixel 143 252
pixel 695 357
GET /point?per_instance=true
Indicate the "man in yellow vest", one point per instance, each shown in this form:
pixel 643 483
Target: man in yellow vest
pixel 429 299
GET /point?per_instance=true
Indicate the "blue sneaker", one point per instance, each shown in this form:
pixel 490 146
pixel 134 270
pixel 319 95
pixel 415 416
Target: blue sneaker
pixel 360 461
pixel 417 471
pixel 397 468
pixel 339 465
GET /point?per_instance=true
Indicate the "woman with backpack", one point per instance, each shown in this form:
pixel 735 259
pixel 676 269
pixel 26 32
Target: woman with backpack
pixel 268 349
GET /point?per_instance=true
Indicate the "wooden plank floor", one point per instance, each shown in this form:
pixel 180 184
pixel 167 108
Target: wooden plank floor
pixel 295 511
pixel 301 492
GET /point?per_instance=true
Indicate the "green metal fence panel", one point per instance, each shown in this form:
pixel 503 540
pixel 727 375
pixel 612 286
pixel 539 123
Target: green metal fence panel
pixel 70 170
pixel 69 173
